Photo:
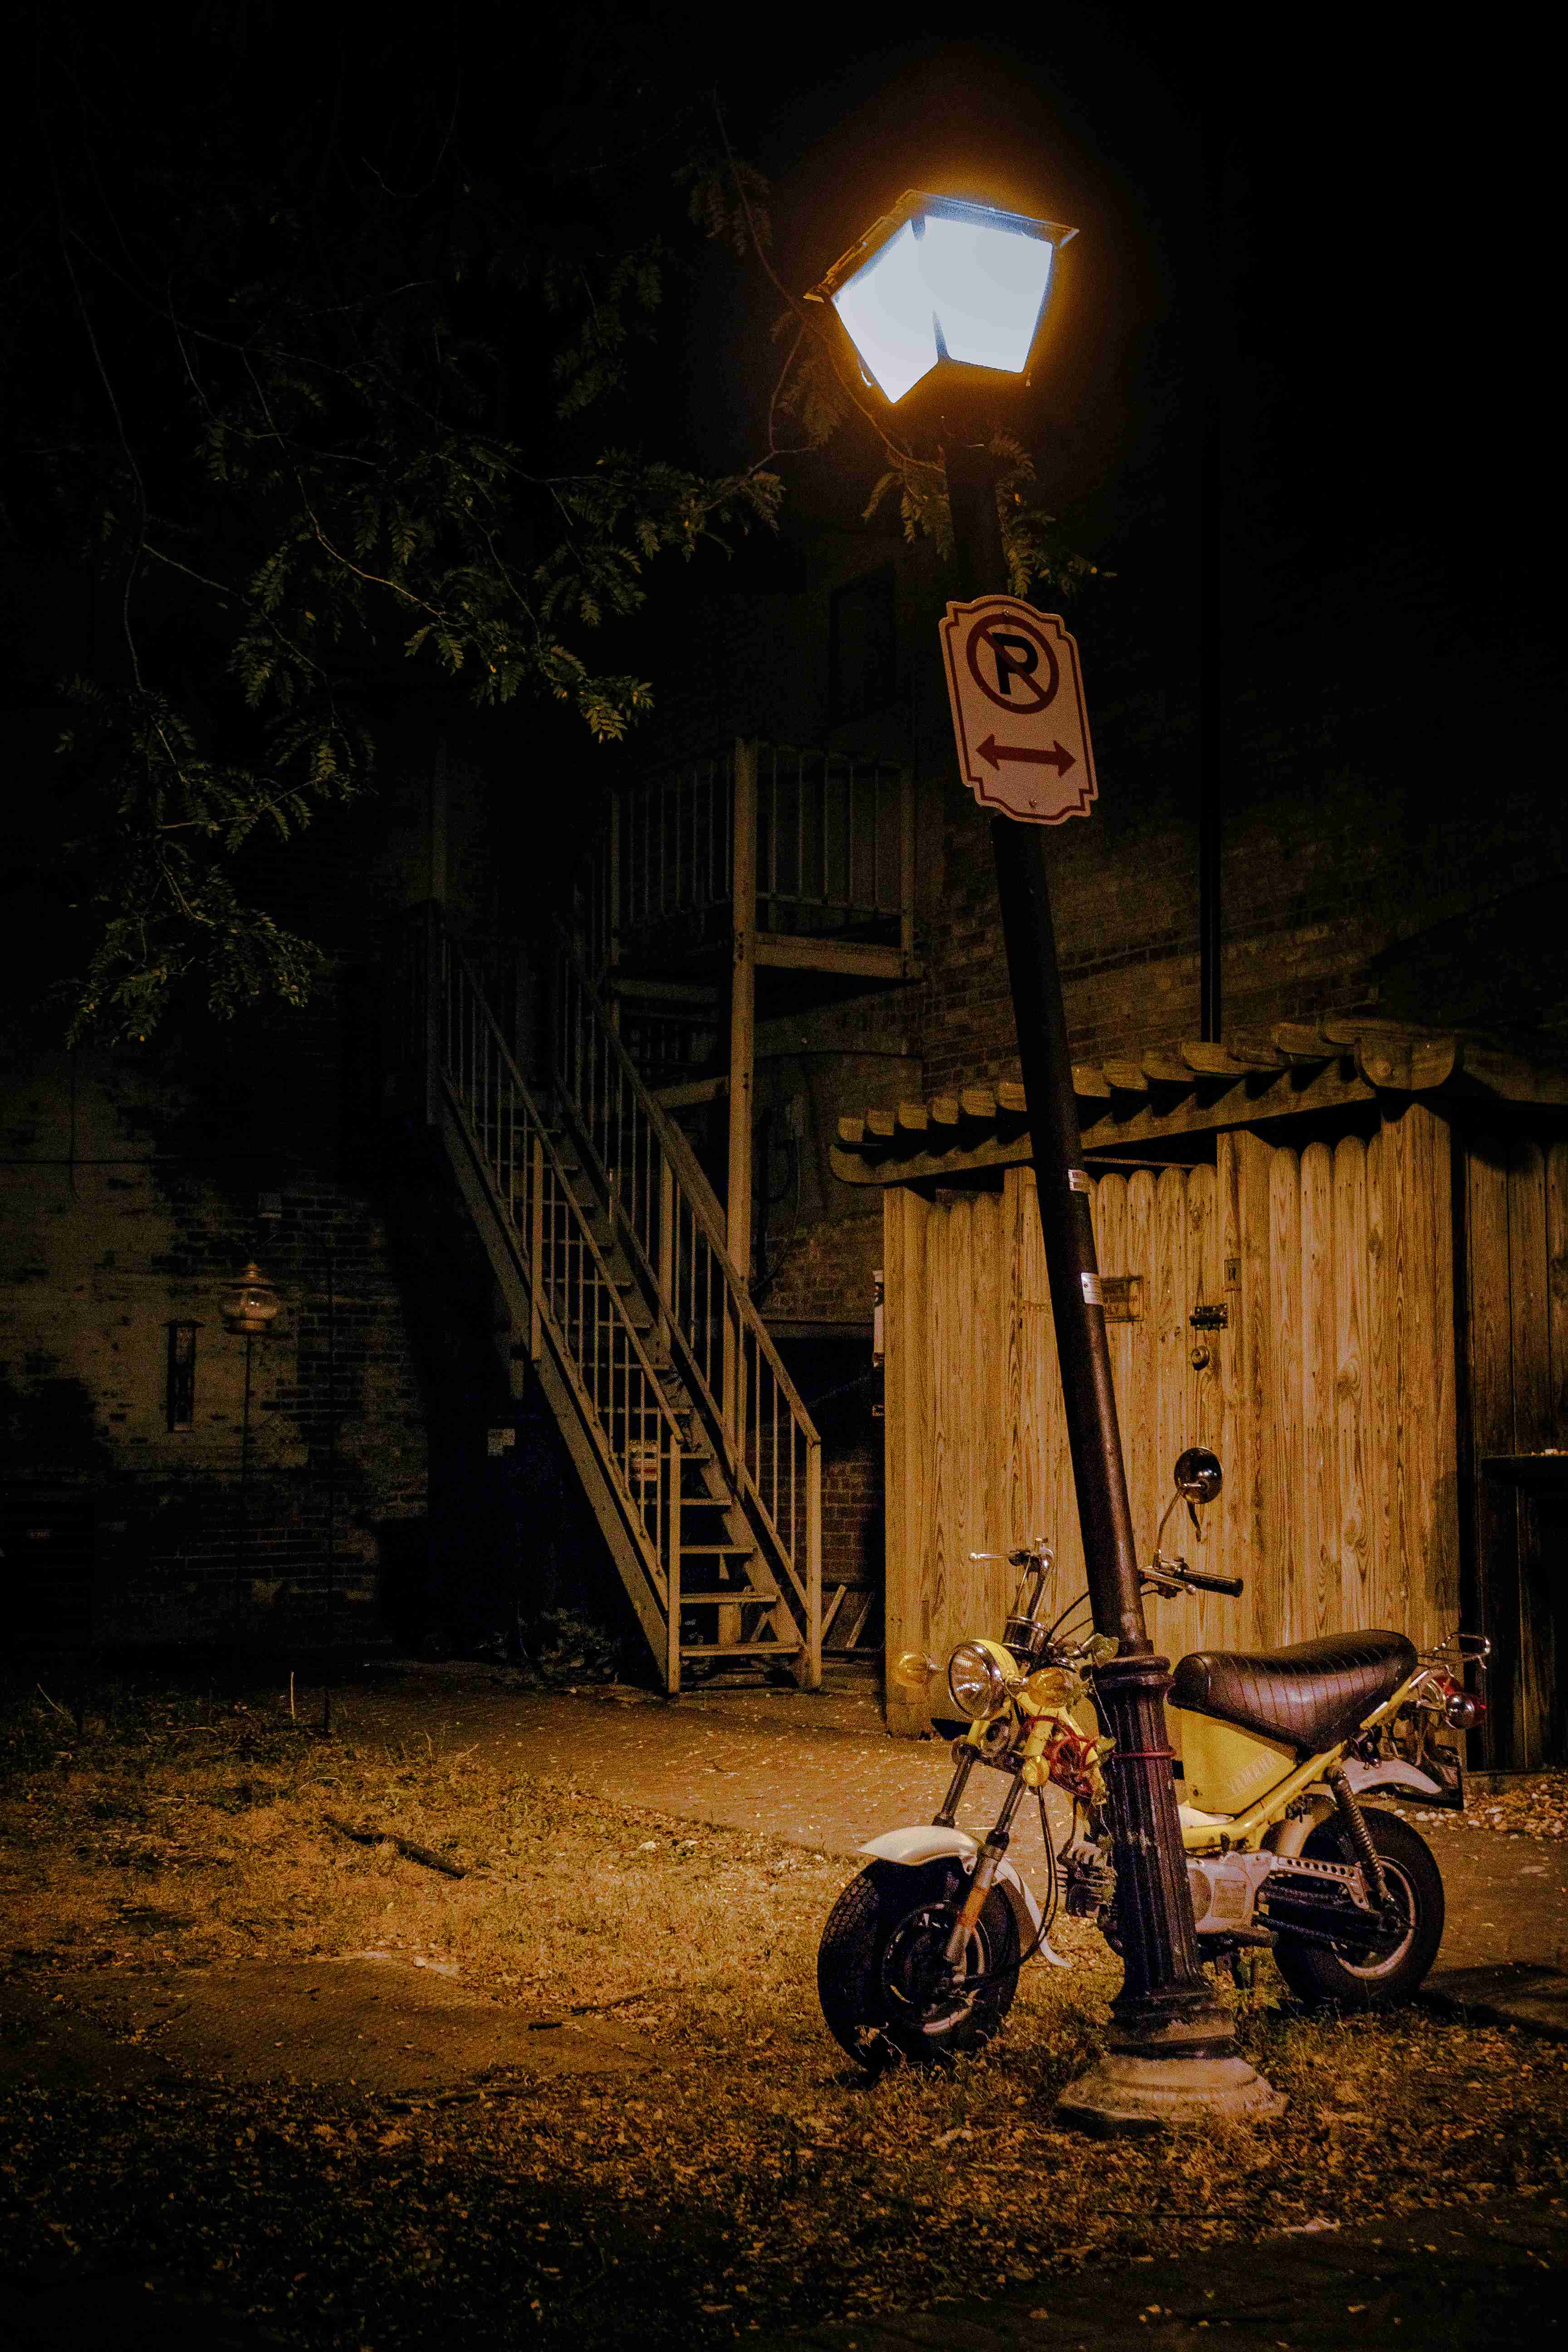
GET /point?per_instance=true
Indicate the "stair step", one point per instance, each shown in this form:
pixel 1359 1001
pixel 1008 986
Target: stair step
pixel 717 1550
pixel 741 1649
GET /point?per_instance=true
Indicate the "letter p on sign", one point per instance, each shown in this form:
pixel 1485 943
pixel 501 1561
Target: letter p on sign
pixel 1018 717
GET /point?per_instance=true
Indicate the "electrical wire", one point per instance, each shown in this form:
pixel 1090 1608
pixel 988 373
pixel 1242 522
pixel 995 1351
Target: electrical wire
pixel 1053 1885
pixel 1069 1612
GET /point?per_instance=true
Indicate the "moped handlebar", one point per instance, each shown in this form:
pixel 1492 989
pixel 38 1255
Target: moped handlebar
pixel 1233 1585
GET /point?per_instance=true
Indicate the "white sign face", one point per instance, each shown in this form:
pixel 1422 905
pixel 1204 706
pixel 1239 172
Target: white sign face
pixel 1017 692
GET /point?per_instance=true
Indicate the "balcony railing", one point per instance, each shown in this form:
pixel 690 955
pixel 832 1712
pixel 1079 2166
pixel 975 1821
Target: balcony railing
pixel 834 855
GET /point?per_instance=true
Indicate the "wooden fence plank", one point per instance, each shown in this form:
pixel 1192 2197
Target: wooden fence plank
pixel 949 1280
pixel 1042 1434
pixel 1557 1290
pixel 1528 1328
pixel 1109 1202
pixel 1384 1538
pixel 903 1376
pixel 1529 1291
pixel 1285 1474
pixel 1140 1431
pixel 1317 1602
pixel 991 1528
pixel 1350 1279
pixel 1192 1623
pixel 1433 1144
pixel 1491 1415
pixel 919 1434
pixel 1019 1202
pixel 1423 1451
pixel 1171 1295
pixel 1252 1160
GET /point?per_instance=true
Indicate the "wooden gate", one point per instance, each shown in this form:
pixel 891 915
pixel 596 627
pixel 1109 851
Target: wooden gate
pixel 1516 1328
pixel 1327 1390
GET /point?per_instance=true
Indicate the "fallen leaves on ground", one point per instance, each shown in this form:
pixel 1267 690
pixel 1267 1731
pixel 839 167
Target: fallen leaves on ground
pixel 754 2182
pixel 1526 1804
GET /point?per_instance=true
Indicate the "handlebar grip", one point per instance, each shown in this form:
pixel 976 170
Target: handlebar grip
pixel 1231 1585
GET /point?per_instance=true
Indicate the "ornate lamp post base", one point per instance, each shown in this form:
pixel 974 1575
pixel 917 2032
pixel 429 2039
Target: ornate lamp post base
pixel 1123 2094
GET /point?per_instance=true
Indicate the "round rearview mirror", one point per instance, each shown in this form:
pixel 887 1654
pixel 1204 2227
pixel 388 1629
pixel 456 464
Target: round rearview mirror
pixel 1198 1474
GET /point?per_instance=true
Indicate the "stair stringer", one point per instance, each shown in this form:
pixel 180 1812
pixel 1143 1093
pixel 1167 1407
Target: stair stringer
pixel 746 1528
pixel 634 1556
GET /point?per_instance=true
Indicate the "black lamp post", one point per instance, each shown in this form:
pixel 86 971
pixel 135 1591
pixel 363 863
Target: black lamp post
pixel 954 291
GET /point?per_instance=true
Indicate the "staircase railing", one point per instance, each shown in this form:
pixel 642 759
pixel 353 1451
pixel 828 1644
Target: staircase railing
pixel 707 1319
pixel 575 1305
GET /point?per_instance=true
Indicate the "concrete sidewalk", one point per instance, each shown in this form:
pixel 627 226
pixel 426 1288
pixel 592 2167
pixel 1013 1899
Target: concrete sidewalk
pixel 819 1770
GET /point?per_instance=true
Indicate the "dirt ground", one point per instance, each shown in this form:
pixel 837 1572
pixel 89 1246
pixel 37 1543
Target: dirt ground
pixel 595 2100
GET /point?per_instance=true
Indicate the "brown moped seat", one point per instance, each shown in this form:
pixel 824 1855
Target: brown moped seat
pixel 1310 1695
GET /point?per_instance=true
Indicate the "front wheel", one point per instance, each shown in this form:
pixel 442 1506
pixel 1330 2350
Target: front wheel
pixel 1393 1969
pixel 880 1971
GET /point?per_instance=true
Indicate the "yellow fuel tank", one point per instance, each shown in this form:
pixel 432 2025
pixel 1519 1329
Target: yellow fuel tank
pixel 1224 1770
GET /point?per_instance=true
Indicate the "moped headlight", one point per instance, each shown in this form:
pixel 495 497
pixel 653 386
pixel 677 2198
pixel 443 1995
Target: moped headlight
pixel 1051 1686
pixel 976 1680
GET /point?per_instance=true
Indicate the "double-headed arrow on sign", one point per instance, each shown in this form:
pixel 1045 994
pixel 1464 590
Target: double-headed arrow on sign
pixel 1058 757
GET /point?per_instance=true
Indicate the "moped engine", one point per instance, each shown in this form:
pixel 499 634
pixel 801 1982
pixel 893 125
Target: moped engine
pixel 1089 1882
pixel 1223 1889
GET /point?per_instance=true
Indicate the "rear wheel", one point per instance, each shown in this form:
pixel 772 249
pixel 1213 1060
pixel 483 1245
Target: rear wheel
pixel 1392 1970
pixel 880 1971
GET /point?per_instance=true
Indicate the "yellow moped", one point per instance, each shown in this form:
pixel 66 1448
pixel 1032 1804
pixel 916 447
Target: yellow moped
pixel 1274 1752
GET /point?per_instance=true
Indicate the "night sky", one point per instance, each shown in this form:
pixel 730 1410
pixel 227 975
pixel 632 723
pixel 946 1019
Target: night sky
pixel 1303 335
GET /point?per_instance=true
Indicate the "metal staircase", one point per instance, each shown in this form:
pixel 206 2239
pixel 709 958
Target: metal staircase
pixel 700 1462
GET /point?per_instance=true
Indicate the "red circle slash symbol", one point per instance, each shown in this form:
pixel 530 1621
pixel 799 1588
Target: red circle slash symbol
pixel 1021 659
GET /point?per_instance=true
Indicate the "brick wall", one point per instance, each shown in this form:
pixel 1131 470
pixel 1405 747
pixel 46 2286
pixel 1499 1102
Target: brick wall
pixel 108 1235
pixel 853 1532
pixel 1368 801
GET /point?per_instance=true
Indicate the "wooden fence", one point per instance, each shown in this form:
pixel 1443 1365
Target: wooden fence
pixel 1328 1393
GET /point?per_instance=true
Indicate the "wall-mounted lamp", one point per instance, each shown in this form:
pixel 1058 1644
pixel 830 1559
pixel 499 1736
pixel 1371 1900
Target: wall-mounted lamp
pixel 252 1306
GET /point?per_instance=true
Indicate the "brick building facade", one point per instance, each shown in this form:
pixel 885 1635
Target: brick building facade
pixel 127 1215
pixel 391 1484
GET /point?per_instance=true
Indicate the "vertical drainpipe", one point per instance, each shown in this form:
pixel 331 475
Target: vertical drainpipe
pixel 1220 360
pixel 1211 823
pixel 436 833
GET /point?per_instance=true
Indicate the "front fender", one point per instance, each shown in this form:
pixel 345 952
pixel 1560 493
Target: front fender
pixel 930 1841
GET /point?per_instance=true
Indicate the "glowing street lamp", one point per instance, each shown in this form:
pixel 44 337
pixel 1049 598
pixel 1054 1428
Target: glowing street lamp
pixel 939 278
pixel 946 289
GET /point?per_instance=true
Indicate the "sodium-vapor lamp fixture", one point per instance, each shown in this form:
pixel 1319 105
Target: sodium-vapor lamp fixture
pixel 940 279
pixel 254 1302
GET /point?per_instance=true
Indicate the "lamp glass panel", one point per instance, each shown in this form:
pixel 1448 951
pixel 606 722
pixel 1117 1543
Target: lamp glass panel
pixel 985 285
pixel 885 308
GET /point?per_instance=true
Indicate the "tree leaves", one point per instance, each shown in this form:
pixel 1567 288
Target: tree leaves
pixel 398 434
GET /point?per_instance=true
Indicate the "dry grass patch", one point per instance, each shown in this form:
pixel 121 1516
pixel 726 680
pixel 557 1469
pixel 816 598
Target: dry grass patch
pixel 757 2182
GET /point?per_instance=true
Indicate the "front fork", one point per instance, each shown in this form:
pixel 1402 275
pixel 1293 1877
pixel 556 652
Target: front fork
pixel 986 1866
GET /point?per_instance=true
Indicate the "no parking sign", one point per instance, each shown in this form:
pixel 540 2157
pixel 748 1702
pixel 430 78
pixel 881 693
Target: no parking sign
pixel 1018 715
